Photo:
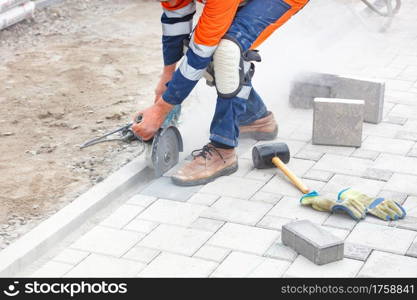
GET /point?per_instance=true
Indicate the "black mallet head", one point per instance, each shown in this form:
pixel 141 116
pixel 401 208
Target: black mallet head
pixel 262 155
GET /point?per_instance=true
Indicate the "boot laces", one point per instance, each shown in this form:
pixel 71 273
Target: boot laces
pixel 206 152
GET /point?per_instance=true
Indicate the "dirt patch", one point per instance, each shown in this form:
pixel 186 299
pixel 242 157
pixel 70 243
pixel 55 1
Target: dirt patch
pixel 72 73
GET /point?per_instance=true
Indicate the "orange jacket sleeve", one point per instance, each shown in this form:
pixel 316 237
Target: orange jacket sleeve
pixel 215 20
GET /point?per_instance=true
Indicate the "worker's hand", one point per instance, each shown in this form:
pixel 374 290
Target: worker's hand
pixel 152 119
pixel 166 77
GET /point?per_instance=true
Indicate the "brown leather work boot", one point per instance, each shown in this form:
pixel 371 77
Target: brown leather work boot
pixel 208 163
pixel 264 129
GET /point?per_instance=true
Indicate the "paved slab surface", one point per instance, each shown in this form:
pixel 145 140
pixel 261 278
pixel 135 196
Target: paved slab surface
pixel 231 227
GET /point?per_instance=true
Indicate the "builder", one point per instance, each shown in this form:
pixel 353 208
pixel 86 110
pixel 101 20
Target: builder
pixel 221 43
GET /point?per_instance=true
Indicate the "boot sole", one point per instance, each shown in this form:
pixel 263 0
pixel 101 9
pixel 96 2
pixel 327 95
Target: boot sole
pixel 226 171
pixel 260 136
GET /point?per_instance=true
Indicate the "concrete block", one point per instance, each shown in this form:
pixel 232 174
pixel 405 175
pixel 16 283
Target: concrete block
pixel 308 86
pixel 372 92
pixel 338 122
pixel 313 242
pixel 302 94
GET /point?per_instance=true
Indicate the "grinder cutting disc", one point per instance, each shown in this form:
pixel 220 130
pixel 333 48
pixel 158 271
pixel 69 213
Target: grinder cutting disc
pixel 164 153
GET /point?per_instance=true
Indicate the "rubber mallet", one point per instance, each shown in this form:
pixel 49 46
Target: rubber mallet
pixel 277 154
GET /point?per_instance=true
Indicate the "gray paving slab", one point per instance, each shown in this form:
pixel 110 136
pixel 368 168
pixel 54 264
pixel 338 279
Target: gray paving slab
pixel 172 212
pixel 279 251
pixel 216 254
pixel 105 266
pixel 382 237
pixel 207 224
pixel 122 216
pixel 241 188
pixel 341 182
pixel 164 188
pixel 312 241
pixel 173 265
pixel 141 254
pixel 412 251
pixel 383 264
pixel 141 226
pixel 244 238
pixel 52 269
pixel 107 241
pixel 387 145
pixel 302 267
pixel 318 175
pixel 344 165
pixel 406 184
pixel 358 252
pixel 71 256
pixel 237 211
pixel 185 241
pixel 377 174
pixel 203 199
pixel 266 197
pixel 338 122
pixel 238 264
pixel 365 154
pixel 273 222
pixel 290 207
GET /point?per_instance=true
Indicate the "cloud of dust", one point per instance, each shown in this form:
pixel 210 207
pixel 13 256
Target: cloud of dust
pixel 329 36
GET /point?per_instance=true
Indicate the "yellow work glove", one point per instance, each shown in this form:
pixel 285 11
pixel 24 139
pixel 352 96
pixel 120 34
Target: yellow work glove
pixel 380 207
pixel 354 208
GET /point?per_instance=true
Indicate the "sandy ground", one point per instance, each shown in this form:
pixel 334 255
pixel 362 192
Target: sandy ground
pixel 75 71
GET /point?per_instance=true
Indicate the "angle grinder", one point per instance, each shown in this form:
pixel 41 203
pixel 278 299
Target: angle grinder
pixel 162 151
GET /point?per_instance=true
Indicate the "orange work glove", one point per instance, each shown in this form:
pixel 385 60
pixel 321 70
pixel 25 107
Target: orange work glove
pixel 152 119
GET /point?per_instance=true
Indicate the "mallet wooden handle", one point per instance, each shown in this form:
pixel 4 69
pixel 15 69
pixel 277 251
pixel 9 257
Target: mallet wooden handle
pixel 294 179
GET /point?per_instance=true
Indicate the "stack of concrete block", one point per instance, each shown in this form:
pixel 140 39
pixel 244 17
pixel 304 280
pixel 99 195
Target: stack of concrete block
pixel 308 86
pixel 312 242
pixel 338 122
pixel 14 11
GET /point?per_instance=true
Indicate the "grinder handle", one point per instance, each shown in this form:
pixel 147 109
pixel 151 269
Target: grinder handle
pixel 294 179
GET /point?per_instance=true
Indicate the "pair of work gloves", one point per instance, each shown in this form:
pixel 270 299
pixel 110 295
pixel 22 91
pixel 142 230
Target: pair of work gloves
pixel 356 204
